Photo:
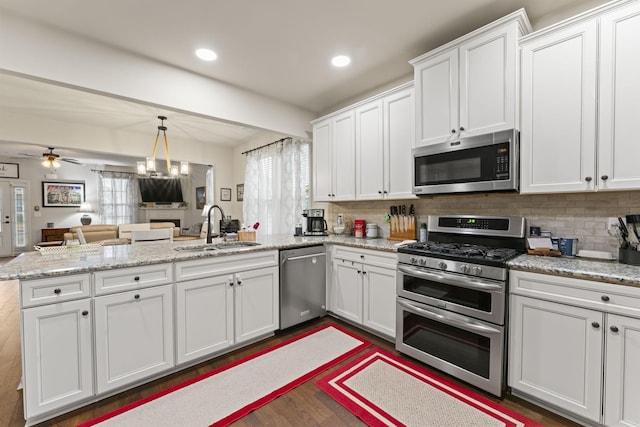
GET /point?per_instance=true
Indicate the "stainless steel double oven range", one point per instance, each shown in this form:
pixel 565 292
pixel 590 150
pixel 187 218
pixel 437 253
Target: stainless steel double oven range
pixel 452 296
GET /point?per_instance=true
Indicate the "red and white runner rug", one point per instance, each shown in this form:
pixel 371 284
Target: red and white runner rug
pixel 384 390
pixel 227 394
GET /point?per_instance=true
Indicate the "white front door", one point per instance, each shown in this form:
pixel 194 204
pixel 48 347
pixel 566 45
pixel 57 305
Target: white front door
pixel 6 220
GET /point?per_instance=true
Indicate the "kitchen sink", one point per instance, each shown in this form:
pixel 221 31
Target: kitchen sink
pixel 216 246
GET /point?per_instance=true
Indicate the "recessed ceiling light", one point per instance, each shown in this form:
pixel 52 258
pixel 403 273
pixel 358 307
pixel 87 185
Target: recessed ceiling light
pixel 206 54
pixel 341 61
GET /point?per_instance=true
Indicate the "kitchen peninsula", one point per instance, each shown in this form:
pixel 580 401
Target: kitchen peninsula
pixel 98 322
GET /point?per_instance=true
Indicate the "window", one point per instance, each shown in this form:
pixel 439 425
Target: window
pixel 276 186
pixel 118 198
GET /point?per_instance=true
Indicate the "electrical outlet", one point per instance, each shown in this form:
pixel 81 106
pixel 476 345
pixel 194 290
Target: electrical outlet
pixel 613 223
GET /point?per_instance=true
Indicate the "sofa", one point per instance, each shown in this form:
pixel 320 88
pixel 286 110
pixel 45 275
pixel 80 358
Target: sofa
pixel 108 234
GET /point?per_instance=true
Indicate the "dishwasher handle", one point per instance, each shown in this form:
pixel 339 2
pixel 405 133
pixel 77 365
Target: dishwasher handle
pixel 295 258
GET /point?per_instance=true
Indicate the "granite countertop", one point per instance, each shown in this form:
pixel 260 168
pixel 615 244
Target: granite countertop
pixel 579 268
pixel 33 265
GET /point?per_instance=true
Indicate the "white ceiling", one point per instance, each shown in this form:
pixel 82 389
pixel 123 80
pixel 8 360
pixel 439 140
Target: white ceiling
pixel 277 48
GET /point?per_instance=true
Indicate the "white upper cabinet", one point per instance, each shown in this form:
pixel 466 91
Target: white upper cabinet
pixel 399 140
pixel 579 101
pixel 468 86
pixel 363 152
pixel 384 140
pixel 369 151
pixel 436 80
pixel 333 158
pixel 619 98
pixel 557 137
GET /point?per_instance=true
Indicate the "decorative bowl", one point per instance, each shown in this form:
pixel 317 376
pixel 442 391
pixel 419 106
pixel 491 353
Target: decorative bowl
pixel 338 229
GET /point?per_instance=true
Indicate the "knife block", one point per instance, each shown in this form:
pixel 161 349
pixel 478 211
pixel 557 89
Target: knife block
pixel 396 234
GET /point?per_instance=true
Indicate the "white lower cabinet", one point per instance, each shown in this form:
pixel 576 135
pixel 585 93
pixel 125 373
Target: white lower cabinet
pixel 574 344
pixel 556 354
pixel 256 303
pixel 347 290
pixel 56 348
pixel 204 317
pixel 622 372
pixel 134 336
pixel 215 311
pixel 363 288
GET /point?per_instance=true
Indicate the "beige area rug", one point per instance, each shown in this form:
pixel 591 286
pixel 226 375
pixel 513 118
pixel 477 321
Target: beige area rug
pixel 227 394
pixel 384 390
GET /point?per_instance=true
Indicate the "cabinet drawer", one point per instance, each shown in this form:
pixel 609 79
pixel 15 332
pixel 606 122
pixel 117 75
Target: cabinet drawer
pixel 52 290
pixel 124 279
pixel 606 297
pixel 224 264
pixel 379 258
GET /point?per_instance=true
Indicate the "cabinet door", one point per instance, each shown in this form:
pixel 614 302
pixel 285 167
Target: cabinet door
pixel 344 148
pixel 134 336
pixel 204 316
pixel 436 81
pixel 619 100
pixel 555 354
pixel 488 82
pixel 399 140
pixel 379 294
pixel 57 355
pixel 256 303
pixel 369 151
pixel 322 172
pixel 347 290
pixel 558 113
pixel 622 371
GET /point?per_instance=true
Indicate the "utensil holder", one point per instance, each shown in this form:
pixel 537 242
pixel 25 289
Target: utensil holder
pixel 629 256
pixel 248 236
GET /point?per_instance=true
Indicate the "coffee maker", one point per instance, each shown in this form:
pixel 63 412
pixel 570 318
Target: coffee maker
pixel 316 224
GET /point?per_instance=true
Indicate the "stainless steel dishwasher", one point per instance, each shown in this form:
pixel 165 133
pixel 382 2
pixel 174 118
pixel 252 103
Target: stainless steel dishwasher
pixel 302 285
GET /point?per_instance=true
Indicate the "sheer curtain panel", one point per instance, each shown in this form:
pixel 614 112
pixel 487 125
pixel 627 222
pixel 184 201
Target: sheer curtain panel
pixel 118 197
pixel 276 186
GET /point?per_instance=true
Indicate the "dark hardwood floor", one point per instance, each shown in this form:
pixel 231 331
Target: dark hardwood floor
pixel 306 405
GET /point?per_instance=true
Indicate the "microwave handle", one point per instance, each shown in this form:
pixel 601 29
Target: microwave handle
pixel 469 284
pixel 448 319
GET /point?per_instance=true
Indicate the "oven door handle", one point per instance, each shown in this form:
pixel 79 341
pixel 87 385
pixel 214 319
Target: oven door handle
pixel 448 319
pixel 449 279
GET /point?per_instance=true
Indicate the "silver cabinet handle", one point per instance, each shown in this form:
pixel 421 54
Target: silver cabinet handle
pixel 295 258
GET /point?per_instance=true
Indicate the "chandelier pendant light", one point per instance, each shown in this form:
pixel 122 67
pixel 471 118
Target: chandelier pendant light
pixel 150 164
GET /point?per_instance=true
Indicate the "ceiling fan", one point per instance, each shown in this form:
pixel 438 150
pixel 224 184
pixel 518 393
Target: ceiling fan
pixel 52 160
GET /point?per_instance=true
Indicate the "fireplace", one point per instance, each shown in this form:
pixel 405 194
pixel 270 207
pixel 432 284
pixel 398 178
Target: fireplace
pixel 156 214
pixel 176 221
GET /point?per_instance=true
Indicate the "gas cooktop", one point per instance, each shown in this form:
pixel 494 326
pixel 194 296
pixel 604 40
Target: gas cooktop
pixel 460 251
pixel 488 240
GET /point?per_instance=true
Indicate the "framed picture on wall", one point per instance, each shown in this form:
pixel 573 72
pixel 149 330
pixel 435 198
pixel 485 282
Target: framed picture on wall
pixel 240 192
pixel 9 170
pixel 201 197
pixel 225 194
pixel 62 194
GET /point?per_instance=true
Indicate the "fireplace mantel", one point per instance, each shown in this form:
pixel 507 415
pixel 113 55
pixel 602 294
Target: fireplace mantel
pixel 170 213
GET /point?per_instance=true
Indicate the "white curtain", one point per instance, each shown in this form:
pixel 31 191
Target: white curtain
pixel 276 186
pixel 119 197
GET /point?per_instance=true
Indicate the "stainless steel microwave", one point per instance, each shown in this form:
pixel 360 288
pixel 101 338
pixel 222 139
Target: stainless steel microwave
pixel 480 163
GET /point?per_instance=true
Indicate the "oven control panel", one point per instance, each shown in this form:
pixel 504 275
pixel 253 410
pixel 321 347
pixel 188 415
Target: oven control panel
pixel 465 268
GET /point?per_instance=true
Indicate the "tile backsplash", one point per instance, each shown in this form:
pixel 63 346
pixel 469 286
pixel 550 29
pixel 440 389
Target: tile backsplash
pixel 580 215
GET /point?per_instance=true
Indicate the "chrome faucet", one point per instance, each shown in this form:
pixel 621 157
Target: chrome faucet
pixel 224 221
